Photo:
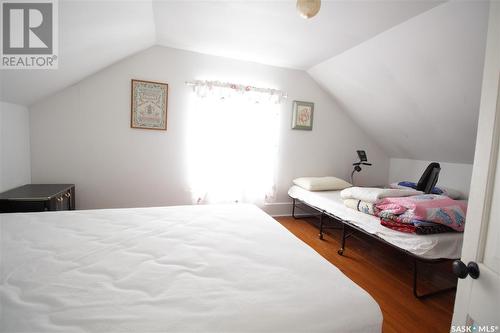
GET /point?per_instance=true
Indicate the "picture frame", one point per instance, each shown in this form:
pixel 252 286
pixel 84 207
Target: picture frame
pixel 302 115
pixel 149 104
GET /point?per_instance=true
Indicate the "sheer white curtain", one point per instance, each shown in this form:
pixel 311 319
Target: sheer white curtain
pixel 232 147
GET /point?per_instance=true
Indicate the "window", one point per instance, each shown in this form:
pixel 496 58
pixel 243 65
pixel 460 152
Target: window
pixel 232 148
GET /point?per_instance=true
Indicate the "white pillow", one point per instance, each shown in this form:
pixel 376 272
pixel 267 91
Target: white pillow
pixel 321 183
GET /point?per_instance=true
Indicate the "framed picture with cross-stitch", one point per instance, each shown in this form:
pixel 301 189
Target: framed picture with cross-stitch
pixel 149 105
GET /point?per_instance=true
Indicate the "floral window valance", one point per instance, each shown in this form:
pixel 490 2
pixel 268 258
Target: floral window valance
pixel 223 90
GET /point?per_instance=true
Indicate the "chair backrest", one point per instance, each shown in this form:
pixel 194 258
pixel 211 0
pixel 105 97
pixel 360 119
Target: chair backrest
pixel 429 178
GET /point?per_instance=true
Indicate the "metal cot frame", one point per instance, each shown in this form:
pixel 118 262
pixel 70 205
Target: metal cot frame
pixel 348 225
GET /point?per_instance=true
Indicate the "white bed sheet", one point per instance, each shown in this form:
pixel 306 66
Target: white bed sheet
pixel 223 268
pixel 436 246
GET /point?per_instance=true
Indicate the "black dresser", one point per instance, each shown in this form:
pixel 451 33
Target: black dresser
pixel 38 198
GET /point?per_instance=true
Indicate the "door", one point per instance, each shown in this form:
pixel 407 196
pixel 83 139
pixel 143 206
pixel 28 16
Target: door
pixel 477 306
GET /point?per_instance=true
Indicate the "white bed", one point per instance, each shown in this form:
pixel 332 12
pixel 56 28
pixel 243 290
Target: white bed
pixel 222 268
pixel 436 246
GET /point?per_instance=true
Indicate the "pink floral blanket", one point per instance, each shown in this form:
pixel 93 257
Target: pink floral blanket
pixel 426 207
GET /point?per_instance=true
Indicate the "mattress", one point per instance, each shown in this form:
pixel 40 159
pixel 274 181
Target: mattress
pixel 435 246
pixel 220 268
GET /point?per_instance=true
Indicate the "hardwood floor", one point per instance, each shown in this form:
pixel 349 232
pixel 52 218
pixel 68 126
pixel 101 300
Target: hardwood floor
pixel 386 274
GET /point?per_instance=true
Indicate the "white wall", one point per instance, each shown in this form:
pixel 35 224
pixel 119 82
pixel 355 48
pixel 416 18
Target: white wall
pixel 15 167
pixel 415 88
pixel 453 175
pixel 82 134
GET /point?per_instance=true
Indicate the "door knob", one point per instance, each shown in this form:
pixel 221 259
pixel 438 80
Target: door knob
pixel 461 271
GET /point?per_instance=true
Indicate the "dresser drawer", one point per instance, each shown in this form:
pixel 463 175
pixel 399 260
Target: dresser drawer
pixel 60 202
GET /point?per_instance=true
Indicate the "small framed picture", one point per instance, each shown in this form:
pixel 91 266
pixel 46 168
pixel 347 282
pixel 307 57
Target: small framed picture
pixel 149 105
pixel 302 115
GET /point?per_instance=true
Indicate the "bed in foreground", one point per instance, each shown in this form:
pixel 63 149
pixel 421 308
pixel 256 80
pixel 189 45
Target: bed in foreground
pixel 221 268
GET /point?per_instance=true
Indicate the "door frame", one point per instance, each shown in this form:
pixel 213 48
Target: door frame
pixel 485 164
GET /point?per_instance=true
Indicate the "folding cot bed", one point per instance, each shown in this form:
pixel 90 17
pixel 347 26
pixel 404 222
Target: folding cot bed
pixel 213 268
pixel 421 248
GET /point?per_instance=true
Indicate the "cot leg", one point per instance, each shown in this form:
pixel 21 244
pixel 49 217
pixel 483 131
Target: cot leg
pixel 321 226
pixel 343 237
pixel 415 276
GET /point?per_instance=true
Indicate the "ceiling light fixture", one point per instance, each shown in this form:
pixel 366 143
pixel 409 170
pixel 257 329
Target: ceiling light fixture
pixel 308 8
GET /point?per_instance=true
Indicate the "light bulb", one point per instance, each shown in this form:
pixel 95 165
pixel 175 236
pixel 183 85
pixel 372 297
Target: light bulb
pixel 308 8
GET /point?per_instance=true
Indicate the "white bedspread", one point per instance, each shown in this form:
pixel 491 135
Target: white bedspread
pixel 227 268
pixel 446 245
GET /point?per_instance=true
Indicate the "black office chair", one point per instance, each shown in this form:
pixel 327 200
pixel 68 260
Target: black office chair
pixel 429 178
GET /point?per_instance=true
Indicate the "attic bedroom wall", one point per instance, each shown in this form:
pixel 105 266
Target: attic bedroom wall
pixel 453 175
pixel 415 88
pixel 15 168
pixel 82 134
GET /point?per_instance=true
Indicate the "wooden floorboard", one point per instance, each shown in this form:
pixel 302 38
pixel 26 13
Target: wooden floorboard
pixel 386 274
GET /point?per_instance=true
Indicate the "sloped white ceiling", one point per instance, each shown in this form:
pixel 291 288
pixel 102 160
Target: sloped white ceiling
pixel 271 32
pixel 95 34
pixel 409 71
pixel 92 35
pixel 416 87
